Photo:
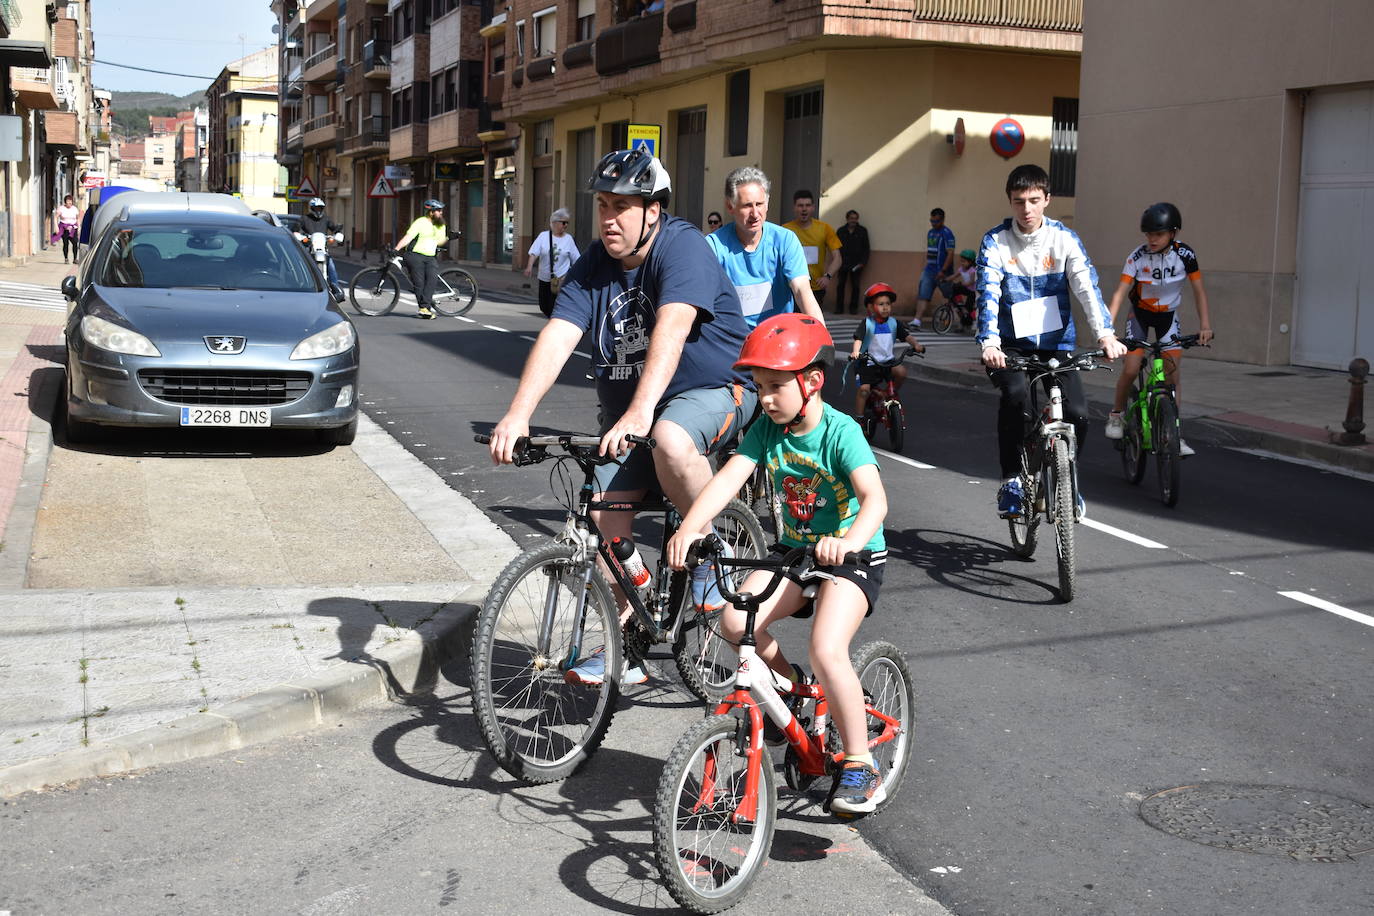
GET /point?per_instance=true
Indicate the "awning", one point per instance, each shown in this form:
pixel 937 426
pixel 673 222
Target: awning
pixel 18 52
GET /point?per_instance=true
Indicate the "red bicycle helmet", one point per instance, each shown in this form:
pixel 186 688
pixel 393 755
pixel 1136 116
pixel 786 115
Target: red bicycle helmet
pixel 878 289
pixel 788 342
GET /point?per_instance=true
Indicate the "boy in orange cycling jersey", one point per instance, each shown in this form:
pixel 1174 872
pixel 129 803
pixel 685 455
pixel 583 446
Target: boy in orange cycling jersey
pixel 818 458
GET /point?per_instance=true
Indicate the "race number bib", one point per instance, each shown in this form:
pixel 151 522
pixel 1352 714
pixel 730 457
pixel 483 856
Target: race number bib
pixel 1036 316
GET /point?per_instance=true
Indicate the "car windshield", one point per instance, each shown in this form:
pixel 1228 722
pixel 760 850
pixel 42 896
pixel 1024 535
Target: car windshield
pixel 162 257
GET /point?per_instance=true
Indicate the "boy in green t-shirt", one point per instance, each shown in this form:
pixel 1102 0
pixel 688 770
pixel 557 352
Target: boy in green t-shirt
pixel 829 482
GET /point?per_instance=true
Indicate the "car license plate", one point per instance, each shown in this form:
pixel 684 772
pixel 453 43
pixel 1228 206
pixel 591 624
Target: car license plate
pixel 226 416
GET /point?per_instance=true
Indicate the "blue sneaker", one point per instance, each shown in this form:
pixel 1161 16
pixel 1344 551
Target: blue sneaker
pixel 858 789
pixel 1080 508
pixel 705 593
pixel 1010 499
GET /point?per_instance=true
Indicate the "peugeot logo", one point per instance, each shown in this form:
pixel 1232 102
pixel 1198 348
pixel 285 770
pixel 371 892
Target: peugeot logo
pixel 226 344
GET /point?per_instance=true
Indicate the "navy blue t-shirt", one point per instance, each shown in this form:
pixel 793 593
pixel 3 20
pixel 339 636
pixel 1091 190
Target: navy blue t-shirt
pixel 619 307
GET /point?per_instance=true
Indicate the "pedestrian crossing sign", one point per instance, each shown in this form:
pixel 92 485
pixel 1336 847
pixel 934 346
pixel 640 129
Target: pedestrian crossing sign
pixel 644 136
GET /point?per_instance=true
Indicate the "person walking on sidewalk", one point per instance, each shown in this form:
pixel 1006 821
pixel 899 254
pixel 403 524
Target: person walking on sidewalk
pixel 68 224
pixel 1027 268
pixel 853 257
pixel 427 233
pixel 554 252
pixel 819 243
pixel 763 260
pixel 1153 277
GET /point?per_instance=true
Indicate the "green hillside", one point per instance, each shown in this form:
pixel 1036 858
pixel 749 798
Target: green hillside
pixel 132 109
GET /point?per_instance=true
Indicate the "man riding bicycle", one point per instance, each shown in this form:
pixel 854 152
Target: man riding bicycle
pixel 1027 268
pixel 666 329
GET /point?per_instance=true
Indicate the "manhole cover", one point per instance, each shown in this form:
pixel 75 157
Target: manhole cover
pixel 1270 820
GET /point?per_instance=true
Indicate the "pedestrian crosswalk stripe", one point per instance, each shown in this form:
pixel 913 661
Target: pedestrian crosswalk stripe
pixel 30 295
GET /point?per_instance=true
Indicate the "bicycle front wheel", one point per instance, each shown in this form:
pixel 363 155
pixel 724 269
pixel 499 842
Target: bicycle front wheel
pixel 1024 528
pixel 943 319
pixel 374 291
pixel 1132 440
pixel 896 426
pixel 705 658
pixel 1061 490
pixel 455 292
pixel 1166 449
pixel 709 851
pixel 538 725
pixel 891 703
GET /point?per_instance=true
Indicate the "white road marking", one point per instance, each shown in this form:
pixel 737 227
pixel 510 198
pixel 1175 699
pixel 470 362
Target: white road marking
pixel 462 318
pixel 905 460
pixel 492 327
pixel 1124 535
pixel 1331 608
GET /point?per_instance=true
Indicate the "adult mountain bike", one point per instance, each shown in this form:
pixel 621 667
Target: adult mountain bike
pixel 1049 465
pixel 551 607
pixel 1150 422
pixel 375 290
pixel 717 804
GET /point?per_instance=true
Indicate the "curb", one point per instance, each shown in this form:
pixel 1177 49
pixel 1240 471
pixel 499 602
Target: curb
pixel 406 667
pixel 14 559
pixel 1213 431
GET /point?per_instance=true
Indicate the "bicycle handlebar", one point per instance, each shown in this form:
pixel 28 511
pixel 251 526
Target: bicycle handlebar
pixel 1081 362
pixel 710 547
pixel 1159 346
pixel 534 449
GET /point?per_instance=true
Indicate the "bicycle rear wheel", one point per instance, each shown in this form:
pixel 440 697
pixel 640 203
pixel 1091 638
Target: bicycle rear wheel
pixel 1061 491
pixel 1166 449
pixel 886 681
pixel 943 319
pixel 539 727
pixel 869 422
pixel 455 292
pixel 705 658
pixel 896 425
pixel 1132 439
pixel 707 854
pixel 373 291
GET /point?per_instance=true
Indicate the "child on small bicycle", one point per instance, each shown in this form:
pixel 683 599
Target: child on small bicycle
pixel 1154 275
pixel 830 485
pixel 877 336
pixel 965 279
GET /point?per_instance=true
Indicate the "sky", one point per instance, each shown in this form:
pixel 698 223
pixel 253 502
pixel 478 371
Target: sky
pixel 194 37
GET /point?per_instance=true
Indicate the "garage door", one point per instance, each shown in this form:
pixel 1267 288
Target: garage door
pixel 1333 313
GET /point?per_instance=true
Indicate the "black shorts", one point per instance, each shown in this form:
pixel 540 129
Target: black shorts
pixel 871 373
pixel 867 576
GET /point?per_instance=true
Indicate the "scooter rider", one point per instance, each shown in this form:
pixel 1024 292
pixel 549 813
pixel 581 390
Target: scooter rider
pixel 312 221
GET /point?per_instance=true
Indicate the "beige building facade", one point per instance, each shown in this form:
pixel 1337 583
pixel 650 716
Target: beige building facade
pixel 1260 127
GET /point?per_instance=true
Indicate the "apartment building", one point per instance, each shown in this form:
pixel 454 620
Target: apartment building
pixel 888 109
pixel 192 141
pixel 47 110
pixel 242 146
pixel 1268 156
pixel 365 145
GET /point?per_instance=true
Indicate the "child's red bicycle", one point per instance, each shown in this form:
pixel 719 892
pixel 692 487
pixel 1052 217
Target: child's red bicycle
pixel 717 802
pixel 883 407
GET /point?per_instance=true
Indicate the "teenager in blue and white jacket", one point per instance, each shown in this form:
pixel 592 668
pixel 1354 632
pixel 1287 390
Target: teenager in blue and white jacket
pixel 1034 262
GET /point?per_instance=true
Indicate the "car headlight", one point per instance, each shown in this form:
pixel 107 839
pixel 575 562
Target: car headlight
pixel 117 339
pixel 329 342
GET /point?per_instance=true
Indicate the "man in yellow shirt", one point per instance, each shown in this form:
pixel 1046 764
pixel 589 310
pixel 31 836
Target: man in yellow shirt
pixel 819 243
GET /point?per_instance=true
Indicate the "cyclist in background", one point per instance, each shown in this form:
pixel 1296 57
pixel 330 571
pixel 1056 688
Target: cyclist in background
pixel 1027 268
pixel 427 233
pixel 666 328
pixel 1153 277
pixel 877 336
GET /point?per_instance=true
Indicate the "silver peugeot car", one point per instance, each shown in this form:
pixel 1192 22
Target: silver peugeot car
pixel 193 312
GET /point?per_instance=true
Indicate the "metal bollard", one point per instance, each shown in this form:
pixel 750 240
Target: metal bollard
pixel 1354 411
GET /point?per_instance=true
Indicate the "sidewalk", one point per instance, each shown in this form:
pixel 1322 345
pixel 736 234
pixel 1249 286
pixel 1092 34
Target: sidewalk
pixel 186 596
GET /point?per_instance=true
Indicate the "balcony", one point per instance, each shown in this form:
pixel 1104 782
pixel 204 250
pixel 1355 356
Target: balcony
pixel 321 130
pixel 322 9
pixel 377 59
pixel 35 88
pixel 496 89
pixel 409 142
pixel 60 128
pixel 295 133
pixel 629 44
pixel 540 69
pixel 1052 15
pixel 323 65
pixel 375 137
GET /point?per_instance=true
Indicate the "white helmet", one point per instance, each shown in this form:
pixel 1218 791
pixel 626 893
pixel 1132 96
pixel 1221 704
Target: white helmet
pixel 316 203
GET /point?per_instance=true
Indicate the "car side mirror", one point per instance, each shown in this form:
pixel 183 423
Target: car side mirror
pixel 69 289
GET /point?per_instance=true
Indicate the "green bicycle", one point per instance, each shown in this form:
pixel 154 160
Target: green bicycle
pixel 1150 423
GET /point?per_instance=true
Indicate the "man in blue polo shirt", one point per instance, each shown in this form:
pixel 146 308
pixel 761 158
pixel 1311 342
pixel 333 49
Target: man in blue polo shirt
pixel 764 261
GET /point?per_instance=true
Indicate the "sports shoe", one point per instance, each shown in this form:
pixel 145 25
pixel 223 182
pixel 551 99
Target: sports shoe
pixel 1009 499
pixel 706 594
pixel 1114 424
pixel 1184 450
pixel 425 312
pixel 1080 507
pixel 591 672
pixel 858 789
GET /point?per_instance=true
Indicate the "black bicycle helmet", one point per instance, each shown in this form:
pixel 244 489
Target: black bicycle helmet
pixel 632 172
pixel 1161 217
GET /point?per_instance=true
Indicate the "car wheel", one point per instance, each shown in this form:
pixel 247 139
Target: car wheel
pixel 78 432
pixel 339 435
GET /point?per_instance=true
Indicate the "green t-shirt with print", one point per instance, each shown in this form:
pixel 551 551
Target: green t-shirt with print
pixel 812 475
